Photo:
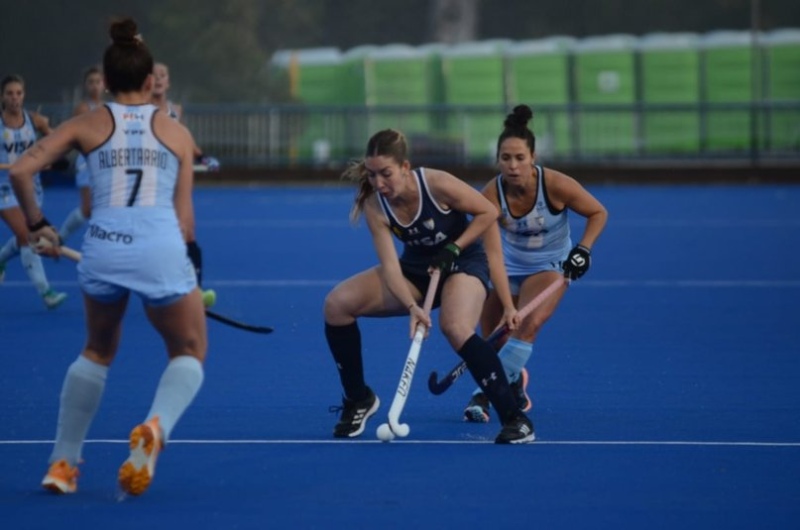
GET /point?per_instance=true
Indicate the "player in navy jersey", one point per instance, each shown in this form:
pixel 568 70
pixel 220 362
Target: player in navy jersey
pixel 533 202
pixel 140 162
pixel 426 209
pixel 18 132
pixel 93 90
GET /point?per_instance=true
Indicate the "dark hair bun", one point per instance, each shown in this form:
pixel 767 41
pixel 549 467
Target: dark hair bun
pixel 519 117
pixel 124 32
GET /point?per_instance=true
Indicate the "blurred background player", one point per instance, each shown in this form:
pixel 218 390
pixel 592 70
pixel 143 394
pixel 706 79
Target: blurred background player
pixel 533 202
pixel 93 90
pixel 160 99
pixel 142 194
pixel 20 129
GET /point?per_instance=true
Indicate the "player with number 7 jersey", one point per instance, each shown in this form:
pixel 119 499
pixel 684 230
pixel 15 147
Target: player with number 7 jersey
pixel 141 176
pixel 134 226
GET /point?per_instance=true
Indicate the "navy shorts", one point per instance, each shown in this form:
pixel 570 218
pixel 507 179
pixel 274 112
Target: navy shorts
pixel 472 261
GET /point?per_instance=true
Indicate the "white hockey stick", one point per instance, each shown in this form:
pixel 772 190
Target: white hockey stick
pixel 387 431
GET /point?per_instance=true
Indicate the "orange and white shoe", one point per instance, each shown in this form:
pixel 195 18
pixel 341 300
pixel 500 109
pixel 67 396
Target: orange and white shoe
pixel 61 478
pixel 519 389
pixel 136 473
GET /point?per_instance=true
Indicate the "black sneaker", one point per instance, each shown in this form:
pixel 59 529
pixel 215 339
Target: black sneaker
pixel 519 390
pixel 354 415
pixel 517 430
pixel 477 410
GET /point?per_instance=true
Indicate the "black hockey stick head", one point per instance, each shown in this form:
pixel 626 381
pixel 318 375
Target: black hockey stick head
pixel 438 387
pixel 238 325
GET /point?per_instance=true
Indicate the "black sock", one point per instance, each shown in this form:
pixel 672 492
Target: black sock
pixel 345 345
pixel 196 256
pixel 487 370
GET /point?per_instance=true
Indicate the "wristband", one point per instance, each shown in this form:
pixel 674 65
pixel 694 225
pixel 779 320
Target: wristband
pixel 43 222
pixel 455 249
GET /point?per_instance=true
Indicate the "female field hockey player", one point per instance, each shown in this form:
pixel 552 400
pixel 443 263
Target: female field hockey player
pixel 18 133
pixel 93 89
pixel 427 210
pixel 533 202
pixel 160 99
pixel 141 179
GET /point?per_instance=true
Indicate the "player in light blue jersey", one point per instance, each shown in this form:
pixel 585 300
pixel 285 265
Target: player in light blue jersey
pixel 140 162
pixel 93 89
pixel 160 99
pixel 18 131
pixel 533 202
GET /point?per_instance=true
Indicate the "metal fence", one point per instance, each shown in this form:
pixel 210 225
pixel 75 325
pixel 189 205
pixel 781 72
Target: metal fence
pixel 296 136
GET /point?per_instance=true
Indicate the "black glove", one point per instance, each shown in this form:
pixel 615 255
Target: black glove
pixel 578 261
pixel 196 257
pixel 445 259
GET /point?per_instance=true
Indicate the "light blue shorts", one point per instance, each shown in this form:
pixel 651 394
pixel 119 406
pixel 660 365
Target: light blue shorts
pixel 8 200
pixel 515 281
pixel 139 250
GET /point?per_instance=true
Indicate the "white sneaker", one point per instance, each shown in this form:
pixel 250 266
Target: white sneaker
pixel 52 299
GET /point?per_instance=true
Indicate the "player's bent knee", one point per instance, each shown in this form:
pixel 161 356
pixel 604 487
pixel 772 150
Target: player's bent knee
pixel 456 334
pixel 335 306
pixel 193 347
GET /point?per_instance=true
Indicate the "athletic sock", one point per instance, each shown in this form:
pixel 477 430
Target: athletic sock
pixel 196 257
pixel 9 250
pixel 74 220
pixel 514 355
pixel 32 263
pixel 345 345
pixel 176 390
pixel 80 397
pixel 486 369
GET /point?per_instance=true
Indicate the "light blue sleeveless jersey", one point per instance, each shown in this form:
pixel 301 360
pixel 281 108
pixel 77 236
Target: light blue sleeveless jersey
pixel 16 141
pixel 132 168
pixel 538 240
pixel 134 242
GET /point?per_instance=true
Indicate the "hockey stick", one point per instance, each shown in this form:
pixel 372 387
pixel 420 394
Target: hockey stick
pixel 74 255
pixel 438 387
pixel 387 431
pixel 238 325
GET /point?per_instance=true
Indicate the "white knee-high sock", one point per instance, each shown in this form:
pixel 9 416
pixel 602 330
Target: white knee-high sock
pixel 74 220
pixel 80 397
pixel 179 385
pixel 34 268
pixel 9 250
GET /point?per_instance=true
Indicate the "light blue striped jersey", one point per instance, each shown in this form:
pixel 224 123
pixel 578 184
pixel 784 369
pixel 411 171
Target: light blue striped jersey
pixel 15 142
pixel 541 235
pixel 133 168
